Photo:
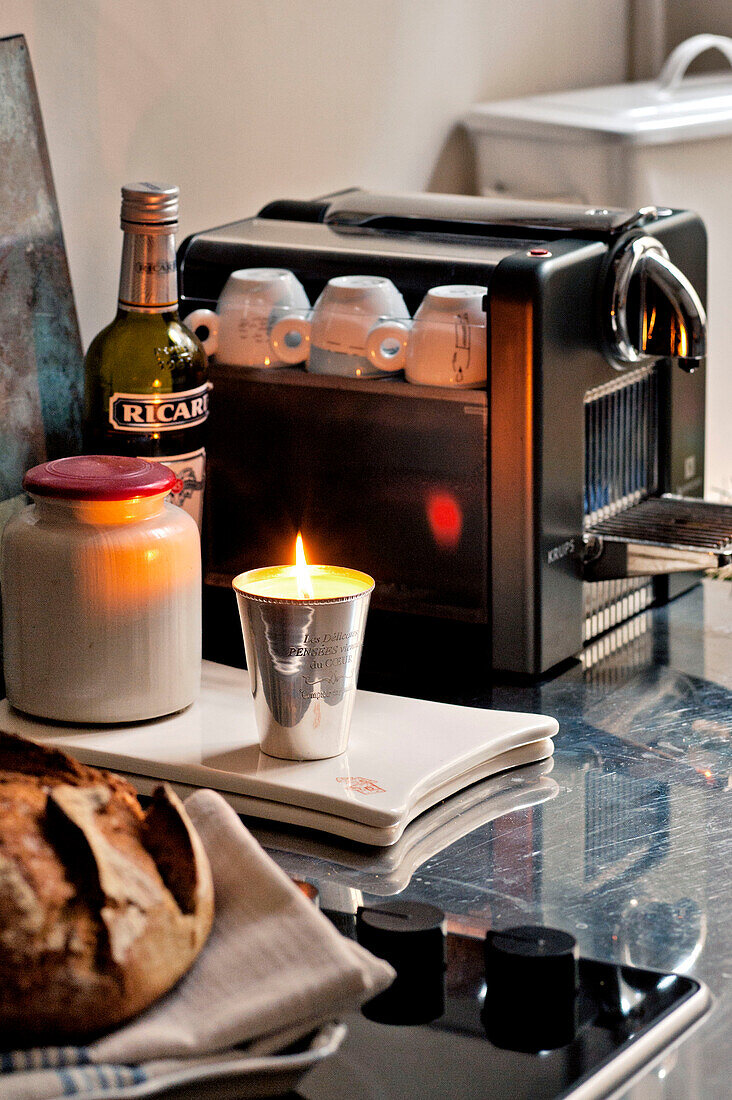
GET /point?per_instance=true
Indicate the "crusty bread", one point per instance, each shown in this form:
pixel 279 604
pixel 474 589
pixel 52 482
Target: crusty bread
pixel 103 906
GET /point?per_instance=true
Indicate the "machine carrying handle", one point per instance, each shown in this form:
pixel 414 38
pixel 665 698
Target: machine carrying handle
pixel 678 61
pixel 478 216
pixel 467 215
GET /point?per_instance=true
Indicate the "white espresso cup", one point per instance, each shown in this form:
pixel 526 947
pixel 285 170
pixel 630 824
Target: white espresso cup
pixel 252 299
pixel 446 343
pixel 333 339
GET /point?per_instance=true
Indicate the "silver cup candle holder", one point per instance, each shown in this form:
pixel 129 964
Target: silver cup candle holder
pixel 303 650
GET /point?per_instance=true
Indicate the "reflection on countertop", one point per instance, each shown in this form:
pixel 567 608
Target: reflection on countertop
pixel 632 854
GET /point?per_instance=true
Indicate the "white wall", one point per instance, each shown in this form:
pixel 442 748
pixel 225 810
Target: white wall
pixel 687 17
pixel 242 102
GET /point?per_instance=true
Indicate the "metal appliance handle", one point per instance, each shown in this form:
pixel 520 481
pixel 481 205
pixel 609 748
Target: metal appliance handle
pixel 666 314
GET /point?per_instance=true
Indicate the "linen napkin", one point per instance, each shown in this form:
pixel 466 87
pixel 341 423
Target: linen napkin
pixel 273 969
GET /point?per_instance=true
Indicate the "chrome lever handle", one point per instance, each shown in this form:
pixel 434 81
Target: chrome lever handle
pixel 670 319
pixel 688 337
pixel 626 267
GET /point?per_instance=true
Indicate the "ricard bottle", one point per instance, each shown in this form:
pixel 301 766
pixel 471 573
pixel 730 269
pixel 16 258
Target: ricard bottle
pixel 146 386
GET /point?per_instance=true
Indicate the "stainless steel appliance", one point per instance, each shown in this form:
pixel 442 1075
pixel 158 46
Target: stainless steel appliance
pixel 667 141
pixel 526 517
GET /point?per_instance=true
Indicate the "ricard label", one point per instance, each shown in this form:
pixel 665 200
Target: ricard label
pixel 164 412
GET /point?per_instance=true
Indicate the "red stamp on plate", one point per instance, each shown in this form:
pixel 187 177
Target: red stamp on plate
pixel 359 784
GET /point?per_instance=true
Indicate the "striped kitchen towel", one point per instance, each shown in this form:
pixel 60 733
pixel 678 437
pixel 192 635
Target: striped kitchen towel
pixel 59 1071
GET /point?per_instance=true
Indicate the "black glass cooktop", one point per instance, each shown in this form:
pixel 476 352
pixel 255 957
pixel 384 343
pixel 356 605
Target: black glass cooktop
pixel 487 1040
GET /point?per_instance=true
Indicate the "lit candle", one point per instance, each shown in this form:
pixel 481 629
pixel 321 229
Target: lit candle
pixel 303 631
pixel 302 581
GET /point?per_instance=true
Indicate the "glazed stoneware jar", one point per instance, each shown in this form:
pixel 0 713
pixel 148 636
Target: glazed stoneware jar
pixel 101 594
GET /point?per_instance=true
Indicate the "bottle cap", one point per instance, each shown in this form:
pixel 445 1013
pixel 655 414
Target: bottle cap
pixel 99 477
pixel 149 204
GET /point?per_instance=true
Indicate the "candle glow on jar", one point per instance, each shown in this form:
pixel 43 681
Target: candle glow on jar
pixel 303 582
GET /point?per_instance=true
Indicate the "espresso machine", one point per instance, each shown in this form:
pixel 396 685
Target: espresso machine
pixel 515 521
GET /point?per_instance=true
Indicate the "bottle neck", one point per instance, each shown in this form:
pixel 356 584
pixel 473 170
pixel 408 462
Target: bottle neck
pixel 148 280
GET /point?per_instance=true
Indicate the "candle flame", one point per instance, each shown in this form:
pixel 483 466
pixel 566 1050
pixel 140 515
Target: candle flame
pixel 302 571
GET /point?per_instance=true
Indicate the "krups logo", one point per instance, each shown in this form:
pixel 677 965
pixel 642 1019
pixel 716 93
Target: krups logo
pixel 133 412
pixel 558 552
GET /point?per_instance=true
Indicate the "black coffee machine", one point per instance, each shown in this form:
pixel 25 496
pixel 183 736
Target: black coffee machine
pixel 516 521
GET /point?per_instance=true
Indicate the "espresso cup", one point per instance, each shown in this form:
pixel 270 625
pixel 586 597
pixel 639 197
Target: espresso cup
pixel 445 345
pixel 251 301
pixel 333 339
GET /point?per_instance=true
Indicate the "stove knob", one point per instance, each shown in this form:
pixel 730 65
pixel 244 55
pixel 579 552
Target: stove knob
pixel 531 975
pixel 411 936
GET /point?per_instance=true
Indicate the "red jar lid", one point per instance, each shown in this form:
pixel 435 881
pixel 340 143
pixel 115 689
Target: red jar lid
pixel 99 477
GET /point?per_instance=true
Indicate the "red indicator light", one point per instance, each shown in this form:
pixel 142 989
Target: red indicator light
pixel 445 518
pixel 539 252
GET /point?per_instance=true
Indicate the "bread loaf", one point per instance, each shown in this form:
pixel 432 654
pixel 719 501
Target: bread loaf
pixel 103 906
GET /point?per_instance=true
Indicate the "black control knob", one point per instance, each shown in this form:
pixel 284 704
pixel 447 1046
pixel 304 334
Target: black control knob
pixel 411 936
pixel 531 975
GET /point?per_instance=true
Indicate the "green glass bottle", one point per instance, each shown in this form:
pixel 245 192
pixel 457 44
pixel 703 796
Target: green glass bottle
pixel 146 384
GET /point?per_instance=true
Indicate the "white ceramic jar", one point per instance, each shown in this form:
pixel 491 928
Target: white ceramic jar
pixel 101 594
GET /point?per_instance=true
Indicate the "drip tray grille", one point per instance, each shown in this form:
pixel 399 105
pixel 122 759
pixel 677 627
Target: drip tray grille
pixel 672 521
pixel 659 535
